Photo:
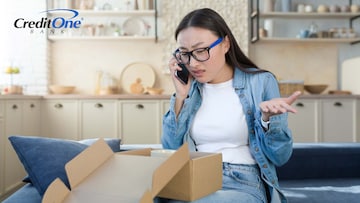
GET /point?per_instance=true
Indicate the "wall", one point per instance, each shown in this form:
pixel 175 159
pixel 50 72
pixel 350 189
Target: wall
pixel 22 48
pixel 76 62
pixel 315 63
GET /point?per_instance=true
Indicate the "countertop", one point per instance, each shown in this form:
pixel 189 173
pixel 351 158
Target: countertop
pixel 83 96
pixel 150 97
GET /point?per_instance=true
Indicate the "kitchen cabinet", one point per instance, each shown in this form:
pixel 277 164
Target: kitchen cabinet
pixel 165 104
pixel 22 117
pixel 326 120
pixel 2 149
pixel 99 118
pixel 338 120
pixel 304 124
pixel 31 117
pixel 60 119
pixel 286 25
pixel 140 121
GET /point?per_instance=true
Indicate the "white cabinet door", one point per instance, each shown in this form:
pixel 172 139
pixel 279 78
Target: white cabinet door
pixel 165 104
pixel 60 119
pixel 19 117
pixel 31 117
pixel 338 120
pixel 304 123
pixel 14 170
pixel 140 121
pixel 99 119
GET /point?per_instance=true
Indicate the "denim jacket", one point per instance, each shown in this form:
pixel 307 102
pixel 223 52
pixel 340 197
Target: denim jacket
pixel 269 148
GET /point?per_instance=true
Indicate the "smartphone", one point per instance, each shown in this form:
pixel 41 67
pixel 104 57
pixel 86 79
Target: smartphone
pixel 182 75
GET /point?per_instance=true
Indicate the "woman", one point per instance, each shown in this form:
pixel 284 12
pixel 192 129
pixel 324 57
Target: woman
pixel 229 106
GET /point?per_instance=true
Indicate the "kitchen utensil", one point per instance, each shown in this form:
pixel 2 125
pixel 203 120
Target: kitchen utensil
pixel 350 72
pixel 61 89
pixel 322 8
pixel 339 92
pixel 154 91
pixel 315 88
pixel 137 70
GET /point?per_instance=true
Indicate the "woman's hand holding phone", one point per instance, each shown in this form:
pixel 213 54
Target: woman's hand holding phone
pixel 181 86
pixel 183 74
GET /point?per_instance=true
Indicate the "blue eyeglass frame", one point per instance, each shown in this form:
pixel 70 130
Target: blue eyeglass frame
pixel 190 53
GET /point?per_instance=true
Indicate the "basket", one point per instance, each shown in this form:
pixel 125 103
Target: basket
pixel 287 87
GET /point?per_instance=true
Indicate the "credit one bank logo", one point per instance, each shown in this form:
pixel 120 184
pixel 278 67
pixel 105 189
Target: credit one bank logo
pixel 57 22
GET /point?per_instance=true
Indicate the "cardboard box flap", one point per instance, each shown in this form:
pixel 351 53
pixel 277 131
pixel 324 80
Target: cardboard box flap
pixel 138 152
pixel 123 178
pixel 87 162
pixel 56 192
pixel 99 175
pixel 173 164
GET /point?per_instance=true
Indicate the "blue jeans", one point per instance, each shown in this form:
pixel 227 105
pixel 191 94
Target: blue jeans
pixel 241 183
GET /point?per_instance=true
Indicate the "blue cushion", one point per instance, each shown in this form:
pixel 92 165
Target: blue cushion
pixel 44 159
pixel 114 143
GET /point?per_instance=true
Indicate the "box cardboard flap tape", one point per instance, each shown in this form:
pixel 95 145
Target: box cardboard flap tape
pixel 99 175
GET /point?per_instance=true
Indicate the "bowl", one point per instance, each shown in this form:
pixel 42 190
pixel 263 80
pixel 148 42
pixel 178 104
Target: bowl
pixel 316 88
pixel 154 91
pixel 61 89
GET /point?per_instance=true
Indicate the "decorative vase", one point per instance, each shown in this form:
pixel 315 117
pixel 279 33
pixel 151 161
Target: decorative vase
pixel 285 5
pixel 269 27
pixel 268 6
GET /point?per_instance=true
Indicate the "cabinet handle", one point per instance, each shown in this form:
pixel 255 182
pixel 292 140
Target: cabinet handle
pixel 58 106
pixel 300 104
pixel 14 106
pixel 32 105
pixel 98 105
pixel 139 106
pixel 338 104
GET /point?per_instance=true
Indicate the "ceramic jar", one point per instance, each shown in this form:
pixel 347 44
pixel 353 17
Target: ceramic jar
pixel 268 6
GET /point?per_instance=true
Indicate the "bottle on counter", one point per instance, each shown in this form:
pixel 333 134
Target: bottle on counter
pixel 98 77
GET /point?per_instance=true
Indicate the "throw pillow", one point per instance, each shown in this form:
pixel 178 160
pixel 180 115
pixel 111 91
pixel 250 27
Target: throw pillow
pixel 114 143
pixel 44 159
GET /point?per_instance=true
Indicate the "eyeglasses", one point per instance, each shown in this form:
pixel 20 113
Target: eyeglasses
pixel 199 54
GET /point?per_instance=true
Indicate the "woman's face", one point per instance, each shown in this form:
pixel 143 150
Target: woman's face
pixel 213 70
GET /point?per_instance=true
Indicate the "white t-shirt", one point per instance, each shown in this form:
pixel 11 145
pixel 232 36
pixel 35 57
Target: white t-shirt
pixel 220 125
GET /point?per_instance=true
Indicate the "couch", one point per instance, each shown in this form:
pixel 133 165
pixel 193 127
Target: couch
pixel 322 172
pixel 316 172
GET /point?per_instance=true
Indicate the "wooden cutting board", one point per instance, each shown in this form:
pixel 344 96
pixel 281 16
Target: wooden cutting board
pixel 350 75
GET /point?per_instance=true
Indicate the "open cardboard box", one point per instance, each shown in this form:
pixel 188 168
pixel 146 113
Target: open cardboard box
pixel 99 175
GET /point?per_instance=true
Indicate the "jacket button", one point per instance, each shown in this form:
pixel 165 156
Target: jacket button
pixel 252 131
pixel 265 166
pixel 249 112
pixel 257 149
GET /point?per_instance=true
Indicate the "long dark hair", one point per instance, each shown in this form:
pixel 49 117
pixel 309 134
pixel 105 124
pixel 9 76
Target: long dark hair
pixel 209 19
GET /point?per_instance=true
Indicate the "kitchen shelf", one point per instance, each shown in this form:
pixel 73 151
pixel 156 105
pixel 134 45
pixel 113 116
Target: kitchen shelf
pixel 255 15
pixel 117 14
pixel 315 40
pixel 106 13
pixel 94 38
pixel 312 15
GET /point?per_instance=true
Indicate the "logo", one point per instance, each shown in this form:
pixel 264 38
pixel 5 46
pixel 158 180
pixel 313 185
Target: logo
pixel 60 21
